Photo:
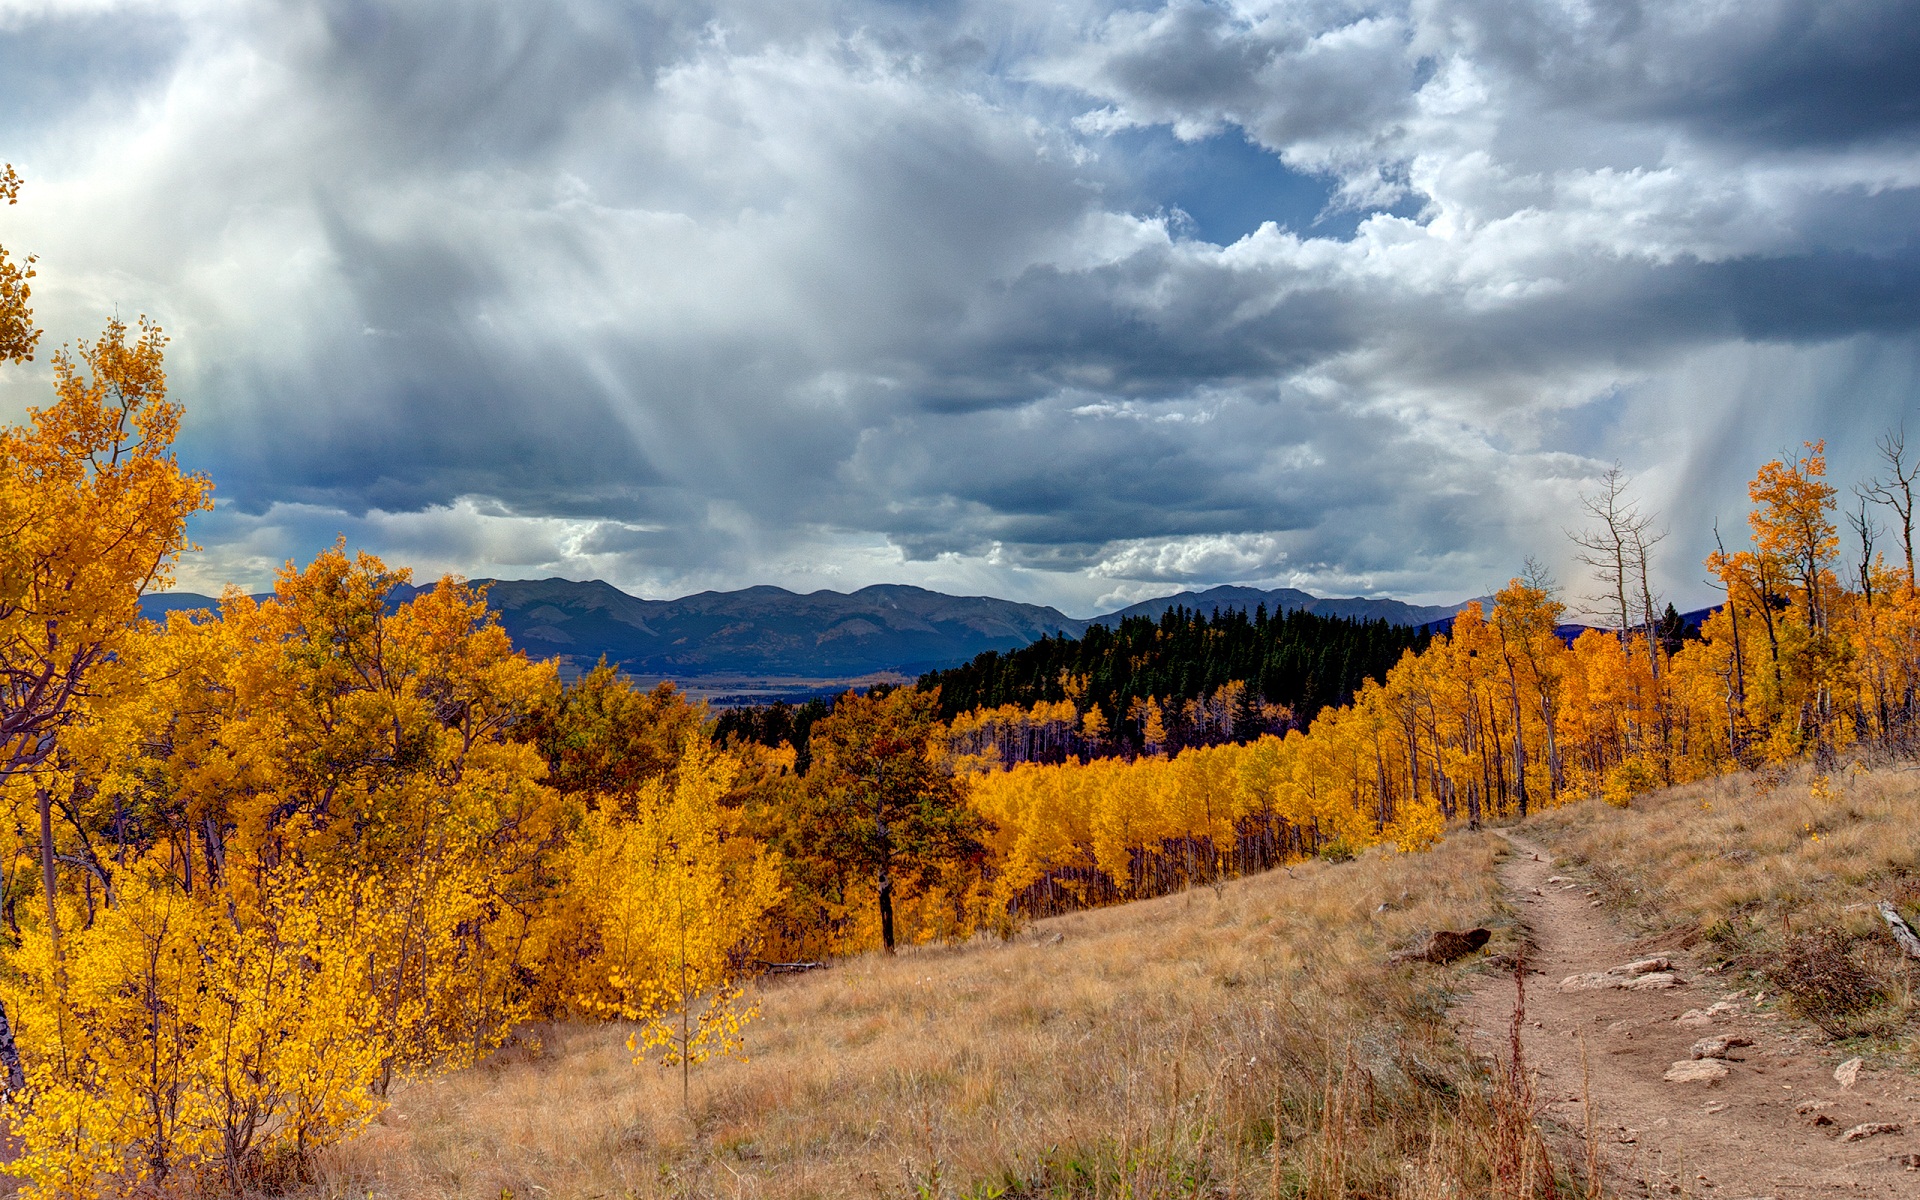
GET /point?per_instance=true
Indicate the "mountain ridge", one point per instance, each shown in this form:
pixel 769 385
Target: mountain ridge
pixel 768 631
pixel 1279 600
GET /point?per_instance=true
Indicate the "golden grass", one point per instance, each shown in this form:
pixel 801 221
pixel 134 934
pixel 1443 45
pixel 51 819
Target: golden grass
pixel 1141 1050
pixel 1751 866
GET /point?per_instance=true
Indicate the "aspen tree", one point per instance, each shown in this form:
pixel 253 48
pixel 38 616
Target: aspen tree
pixel 1894 489
pixel 93 512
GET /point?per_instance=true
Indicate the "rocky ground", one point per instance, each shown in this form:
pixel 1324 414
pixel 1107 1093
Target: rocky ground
pixel 1691 1087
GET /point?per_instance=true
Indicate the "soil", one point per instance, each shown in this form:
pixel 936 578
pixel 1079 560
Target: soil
pixel 1774 1126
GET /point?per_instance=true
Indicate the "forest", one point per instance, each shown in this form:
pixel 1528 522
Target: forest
pixel 1289 666
pixel 1145 687
pixel 262 865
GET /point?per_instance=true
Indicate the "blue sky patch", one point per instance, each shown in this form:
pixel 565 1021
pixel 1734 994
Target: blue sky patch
pixel 1226 185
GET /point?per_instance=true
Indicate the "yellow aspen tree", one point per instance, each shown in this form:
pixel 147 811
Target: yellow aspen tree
pixel 93 512
pixel 677 903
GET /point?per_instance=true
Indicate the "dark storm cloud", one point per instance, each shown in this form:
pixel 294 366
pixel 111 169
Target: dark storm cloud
pixel 1290 74
pixel 1786 73
pixel 826 293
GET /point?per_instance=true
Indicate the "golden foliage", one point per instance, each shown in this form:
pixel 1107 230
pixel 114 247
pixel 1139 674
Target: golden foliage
pixel 1498 717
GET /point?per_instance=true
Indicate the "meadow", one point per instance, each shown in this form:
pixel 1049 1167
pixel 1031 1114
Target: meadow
pixel 1244 1039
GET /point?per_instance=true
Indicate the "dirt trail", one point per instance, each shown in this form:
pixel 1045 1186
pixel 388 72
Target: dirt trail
pixel 1774 1126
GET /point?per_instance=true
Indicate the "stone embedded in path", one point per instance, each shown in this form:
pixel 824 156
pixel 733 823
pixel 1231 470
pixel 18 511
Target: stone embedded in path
pixel 1860 1133
pixel 1848 1072
pixel 1718 1047
pixel 1642 975
pixel 1655 982
pixel 1695 1018
pixel 1696 1070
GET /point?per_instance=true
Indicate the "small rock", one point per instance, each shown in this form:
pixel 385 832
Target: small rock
pixel 1556 879
pixel 1655 982
pixel 1865 1130
pixel 1848 1072
pixel 1717 1106
pixel 1910 1161
pixel 1717 1047
pixel 1721 1008
pixel 1695 1018
pixel 1697 1070
pixel 1644 966
pixel 1808 1107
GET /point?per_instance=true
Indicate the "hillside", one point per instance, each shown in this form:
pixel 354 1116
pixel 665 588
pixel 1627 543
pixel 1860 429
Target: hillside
pixel 1152 1048
pixel 1133 1050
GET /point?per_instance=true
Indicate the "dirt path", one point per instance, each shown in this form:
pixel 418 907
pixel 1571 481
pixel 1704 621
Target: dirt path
pixel 1773 1126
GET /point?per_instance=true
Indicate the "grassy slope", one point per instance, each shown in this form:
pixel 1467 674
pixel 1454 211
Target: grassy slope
pixel 1142 1047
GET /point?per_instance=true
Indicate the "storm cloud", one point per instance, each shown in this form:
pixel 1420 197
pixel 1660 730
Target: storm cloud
pixel 1074 303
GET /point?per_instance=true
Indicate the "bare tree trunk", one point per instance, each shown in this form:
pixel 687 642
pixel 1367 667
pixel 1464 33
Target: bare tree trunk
pixel 1902 932
pixel 10 1057
pixel 48 879
pixel 1896 492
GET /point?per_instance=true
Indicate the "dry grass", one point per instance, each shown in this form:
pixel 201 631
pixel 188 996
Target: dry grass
pixel 1776 873
pixel 1152 1049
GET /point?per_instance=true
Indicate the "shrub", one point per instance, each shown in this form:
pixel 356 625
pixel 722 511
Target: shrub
pixel 1827 983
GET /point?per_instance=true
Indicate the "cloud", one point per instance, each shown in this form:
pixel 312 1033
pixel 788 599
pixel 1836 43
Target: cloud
pixel 831 292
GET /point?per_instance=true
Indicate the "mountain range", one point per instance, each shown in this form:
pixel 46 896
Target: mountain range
pixel 823 636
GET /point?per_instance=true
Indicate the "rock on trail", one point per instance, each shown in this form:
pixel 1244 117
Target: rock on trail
pixel 1696 1070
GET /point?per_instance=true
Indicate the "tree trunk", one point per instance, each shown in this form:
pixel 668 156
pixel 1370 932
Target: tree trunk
pixel 886 910
pixel 47 877
pixel 10 1057
pixel 1902 932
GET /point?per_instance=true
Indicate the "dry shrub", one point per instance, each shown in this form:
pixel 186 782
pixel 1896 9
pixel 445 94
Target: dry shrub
pixel 1829 986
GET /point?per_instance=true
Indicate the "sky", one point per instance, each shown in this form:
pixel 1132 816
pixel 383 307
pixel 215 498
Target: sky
pixel 1075 303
